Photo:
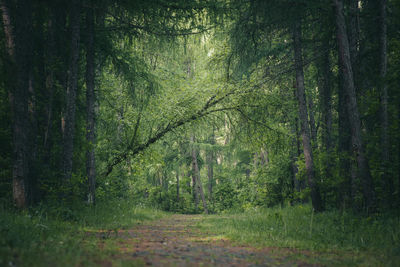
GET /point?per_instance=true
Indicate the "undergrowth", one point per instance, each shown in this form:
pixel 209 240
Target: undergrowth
pixel 48 235
pixel 373 240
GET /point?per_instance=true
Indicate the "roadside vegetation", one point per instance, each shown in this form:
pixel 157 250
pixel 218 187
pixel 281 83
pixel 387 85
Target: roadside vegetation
pixel 329 238
pixel 53 236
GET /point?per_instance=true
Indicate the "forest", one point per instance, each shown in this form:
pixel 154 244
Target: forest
pixel 200 133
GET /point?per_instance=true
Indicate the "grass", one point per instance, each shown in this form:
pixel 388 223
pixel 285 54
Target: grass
pixel 48 236
pixel 333 238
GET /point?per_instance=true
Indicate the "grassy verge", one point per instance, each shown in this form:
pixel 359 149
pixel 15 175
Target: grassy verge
pixel 49 236
pixel 330 238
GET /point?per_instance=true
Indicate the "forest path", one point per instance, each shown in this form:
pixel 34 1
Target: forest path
pixel 176 241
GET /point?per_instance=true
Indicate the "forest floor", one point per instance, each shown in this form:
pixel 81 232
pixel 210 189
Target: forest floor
pixel 120 234
pixel 176 240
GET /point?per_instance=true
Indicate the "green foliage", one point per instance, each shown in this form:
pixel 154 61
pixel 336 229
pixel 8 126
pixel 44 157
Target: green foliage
pixel 225 195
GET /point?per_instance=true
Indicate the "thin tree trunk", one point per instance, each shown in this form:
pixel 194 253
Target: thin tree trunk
pixel 299 184
pixel 195 193
pixel 196 177
pixel 72 85
pixel 210 168
pixel 313 128
pixel 18 41
pixel 177 185
pixel 90 106
pixel 294 155
pixel 325 95
pixel 386 178
pixel 352 109
pixel 210 174
pixel 305 130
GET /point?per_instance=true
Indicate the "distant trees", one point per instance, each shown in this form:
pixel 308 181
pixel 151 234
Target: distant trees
pixel 54 51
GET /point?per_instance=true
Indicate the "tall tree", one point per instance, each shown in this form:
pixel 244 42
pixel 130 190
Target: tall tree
pixel 387 180
pixel 17 29
pixel 351 102
pixel 305 129
pixel 90 105
pixel 72 84
pixel 324 69
pixel 354 32
pixel 198 186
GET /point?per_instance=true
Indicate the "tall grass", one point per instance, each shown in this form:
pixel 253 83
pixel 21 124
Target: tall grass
pixel 53 235
pixel 298 227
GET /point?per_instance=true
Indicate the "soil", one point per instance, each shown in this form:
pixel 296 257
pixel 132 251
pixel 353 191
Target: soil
pixel 176 241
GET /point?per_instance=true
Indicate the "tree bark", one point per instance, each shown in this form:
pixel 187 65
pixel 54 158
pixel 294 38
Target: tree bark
pixel 386 178
pixel 50 80
pixel 18 44
pixel 326 107
pixel 305 130
pixel 354 29
pixel 325 99
pixel 72 85
pixel 313 128
pixel 295 183
pixel 348 187
pixel 352 109
pixel 90 106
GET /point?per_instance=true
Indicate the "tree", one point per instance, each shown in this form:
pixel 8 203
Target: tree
pixel 351 103
pixel 197 184
pixel 18 30
pixel 387 180
pixel 71 91
pixel 90 105
pixel 303 117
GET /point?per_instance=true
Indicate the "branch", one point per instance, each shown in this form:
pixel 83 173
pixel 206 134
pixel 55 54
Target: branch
pixel 134 150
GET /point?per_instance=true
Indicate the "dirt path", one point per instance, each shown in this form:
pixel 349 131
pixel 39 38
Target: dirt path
pixel 175 241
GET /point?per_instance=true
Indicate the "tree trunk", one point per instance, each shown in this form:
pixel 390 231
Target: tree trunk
pixel 348 187
pixel 210 168
pixel 72 85
pixel 386 178
pixel 313 127
pixel 326 109
pixel 196 177
pixel 90 106
pixel 195 193
pixel 295 183
pixel 352 109
pixel 398 154
pixel 305 130
pixel 50 81
pixel 18 43
pixel 177 185
pixel 354 29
